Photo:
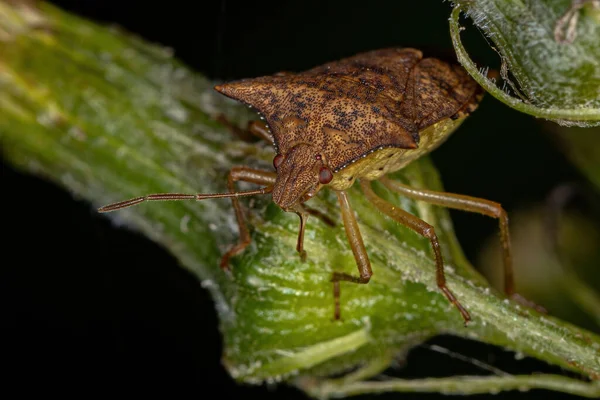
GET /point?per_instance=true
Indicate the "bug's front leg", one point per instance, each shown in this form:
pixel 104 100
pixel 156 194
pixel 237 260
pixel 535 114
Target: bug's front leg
pixel 422 228
pixel 303 211
pixel 260 130
pixel 358 249
pixel 251 175
pixel 254 129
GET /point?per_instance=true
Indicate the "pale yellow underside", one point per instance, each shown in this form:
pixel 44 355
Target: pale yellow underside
pixel 384 161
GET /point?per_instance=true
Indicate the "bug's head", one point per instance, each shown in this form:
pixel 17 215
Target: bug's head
pixel 301 168
pixel 301 173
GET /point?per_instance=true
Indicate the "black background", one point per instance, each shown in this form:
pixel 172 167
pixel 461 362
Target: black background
pixel 86 303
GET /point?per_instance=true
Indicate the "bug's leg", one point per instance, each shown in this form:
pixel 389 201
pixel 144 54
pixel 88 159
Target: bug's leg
pixel 322 216
pixel 470 204
pixel 303 211
pixel 476 205
pixel 236 174
pixel 300 243
pixel 251 175
pixel 261 130
pixel 254 129
pixel 326 219
pixel 424 229
pixel 358 249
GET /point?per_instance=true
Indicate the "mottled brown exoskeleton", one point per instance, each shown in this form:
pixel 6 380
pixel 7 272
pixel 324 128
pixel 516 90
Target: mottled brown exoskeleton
pixel 359 118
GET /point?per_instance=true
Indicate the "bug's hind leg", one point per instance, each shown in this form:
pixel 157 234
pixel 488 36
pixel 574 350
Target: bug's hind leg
pixel 251 175
pixel 422 228
pixel 358 249
pixel 470 204
pixel 476 205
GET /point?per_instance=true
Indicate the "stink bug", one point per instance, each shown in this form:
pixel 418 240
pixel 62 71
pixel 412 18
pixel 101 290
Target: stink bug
pixel 358 118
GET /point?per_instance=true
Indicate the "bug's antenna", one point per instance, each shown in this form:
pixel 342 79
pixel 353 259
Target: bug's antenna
pixel 179 196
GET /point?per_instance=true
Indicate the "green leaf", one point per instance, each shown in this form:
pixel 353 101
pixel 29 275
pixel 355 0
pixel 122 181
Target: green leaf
pixel 109 117
pixel 554 79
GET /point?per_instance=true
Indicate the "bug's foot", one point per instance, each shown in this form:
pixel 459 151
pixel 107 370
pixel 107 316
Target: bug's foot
pixel 303 256
pixel 337 319
pixel 338 277
pixel 337 314
pixel 225 268
pixel 225 264
pixel 452 299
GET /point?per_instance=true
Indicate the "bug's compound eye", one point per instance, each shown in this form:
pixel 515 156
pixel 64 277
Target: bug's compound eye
pixel 325 176
pixel 277 160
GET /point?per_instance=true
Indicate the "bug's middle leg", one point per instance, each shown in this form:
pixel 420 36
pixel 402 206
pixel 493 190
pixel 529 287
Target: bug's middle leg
pixel 251 175
pixel 424 229
pixel 358 249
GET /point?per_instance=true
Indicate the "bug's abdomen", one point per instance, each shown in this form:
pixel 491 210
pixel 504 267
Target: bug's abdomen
pixel 374 164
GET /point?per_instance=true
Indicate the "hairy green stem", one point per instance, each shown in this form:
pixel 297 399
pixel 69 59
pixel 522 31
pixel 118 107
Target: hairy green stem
pixel 461 385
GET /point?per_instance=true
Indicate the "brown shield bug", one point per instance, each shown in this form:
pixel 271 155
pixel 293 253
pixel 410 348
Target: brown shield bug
pixel 358 118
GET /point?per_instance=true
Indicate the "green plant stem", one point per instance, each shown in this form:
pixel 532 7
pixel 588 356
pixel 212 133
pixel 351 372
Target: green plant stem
pixel 462 385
